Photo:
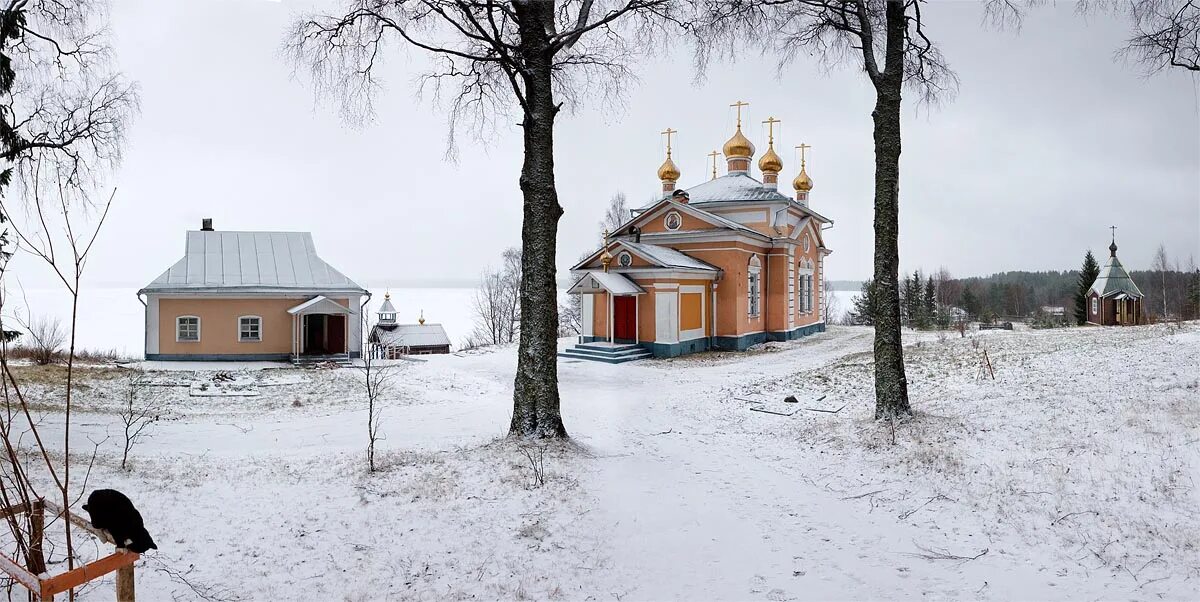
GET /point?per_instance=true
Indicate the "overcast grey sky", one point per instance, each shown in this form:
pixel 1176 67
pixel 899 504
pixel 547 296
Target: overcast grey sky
pixel 1048 143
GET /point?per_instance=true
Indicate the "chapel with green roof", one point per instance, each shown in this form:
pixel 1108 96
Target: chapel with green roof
pixel 1114 299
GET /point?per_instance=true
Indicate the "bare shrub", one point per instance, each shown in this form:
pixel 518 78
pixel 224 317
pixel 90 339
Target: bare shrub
pixel 141 409
pixel 536 456
pixel 46 339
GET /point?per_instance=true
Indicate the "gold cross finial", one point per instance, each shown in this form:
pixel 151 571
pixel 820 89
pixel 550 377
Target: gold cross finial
pixel 802 148
pixel 739 104
pixel 606 237
pixel 771 121
pixel 669 132
pixel 714 156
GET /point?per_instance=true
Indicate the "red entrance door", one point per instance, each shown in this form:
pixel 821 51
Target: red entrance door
pixel 625 320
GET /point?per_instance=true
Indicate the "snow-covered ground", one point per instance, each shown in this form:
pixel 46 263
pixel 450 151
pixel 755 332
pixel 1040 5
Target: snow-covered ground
pixel 1071 475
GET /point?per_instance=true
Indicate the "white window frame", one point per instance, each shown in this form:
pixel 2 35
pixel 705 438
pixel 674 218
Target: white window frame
pixel 181 340
pixel 1095 305
pixel 754 287
pixel 242 339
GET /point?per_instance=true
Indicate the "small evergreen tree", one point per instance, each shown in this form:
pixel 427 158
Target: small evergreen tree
pixel 863 310
pixel 1087 276
pixel 970 303
pixel 929 303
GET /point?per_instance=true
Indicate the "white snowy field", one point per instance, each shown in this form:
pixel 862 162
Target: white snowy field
pixel 1071 475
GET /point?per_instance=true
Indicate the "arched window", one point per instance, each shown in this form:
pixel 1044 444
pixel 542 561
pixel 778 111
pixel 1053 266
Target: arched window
pixel 807 243
pixel 754 286
pixel 187 329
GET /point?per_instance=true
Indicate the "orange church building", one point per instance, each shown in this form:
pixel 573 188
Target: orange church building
pixel 725 264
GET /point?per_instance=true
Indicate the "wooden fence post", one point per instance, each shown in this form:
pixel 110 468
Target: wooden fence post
pixel 37 529
pixel 125 584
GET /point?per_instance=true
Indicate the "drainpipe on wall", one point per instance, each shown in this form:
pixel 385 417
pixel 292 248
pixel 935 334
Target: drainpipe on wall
pixel 363 335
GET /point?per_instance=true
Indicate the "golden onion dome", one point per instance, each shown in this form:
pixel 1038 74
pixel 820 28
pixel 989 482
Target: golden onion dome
pixel 668 170
pixel 739 145
pixel 770 161
pixel 802 183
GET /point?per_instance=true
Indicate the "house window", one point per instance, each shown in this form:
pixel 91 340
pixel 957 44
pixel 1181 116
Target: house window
pixel 1095 305
pixel 624 259
pixel 187 328
pixel 249 329
pixel 754 286
pixel 673 220
pixel 807 244
pixel 808 294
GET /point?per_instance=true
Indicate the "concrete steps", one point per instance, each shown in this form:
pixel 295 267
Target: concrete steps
pixel 603 352
pixel 341 359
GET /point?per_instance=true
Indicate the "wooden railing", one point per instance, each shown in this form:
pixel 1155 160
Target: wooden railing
pixel 45 587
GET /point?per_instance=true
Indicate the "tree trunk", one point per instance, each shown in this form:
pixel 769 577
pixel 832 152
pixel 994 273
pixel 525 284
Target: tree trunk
pixel 535 390
pixel 891 386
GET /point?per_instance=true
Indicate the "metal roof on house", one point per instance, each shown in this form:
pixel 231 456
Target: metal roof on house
pixel 412 335
pixel 1113 279
pixel 251 260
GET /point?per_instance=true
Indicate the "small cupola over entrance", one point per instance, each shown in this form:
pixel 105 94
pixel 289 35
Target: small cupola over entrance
pixel 387 311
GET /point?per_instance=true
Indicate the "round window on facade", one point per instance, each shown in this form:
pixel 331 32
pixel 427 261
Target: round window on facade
pixel 624 259
pixel 673 220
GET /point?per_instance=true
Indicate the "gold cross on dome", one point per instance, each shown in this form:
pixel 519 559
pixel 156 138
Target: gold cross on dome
pixel 669 132
pixel 714 156
pixel 803 147
pixel 739 104
pixel 771 121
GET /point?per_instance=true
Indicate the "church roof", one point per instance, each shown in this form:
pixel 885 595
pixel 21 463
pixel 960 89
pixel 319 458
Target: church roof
pixel 1113 280
pixel 387 307
pixel 667 257
pixel 411 335
pixel 251 260
pixel 734 187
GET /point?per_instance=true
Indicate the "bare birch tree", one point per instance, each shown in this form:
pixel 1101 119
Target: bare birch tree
pixel 888 41
pixel 63 111
pixel 616 214
pixel 497 59
pixel 1162 265
pixel 1166 34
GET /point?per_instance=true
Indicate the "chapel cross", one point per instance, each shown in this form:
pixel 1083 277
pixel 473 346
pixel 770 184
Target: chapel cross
pixel 771 121
pixel 1114 232
pixel 803 147
pixel 739 104
pixel 669 132
pixel 714 156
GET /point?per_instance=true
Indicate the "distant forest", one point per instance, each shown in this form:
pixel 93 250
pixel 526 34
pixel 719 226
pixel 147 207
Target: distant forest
pixel 938 299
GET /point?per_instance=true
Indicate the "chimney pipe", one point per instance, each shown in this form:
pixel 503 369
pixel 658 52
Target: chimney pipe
pixel 206 225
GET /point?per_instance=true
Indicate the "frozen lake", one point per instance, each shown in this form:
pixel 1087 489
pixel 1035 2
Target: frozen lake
pixel 112 318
